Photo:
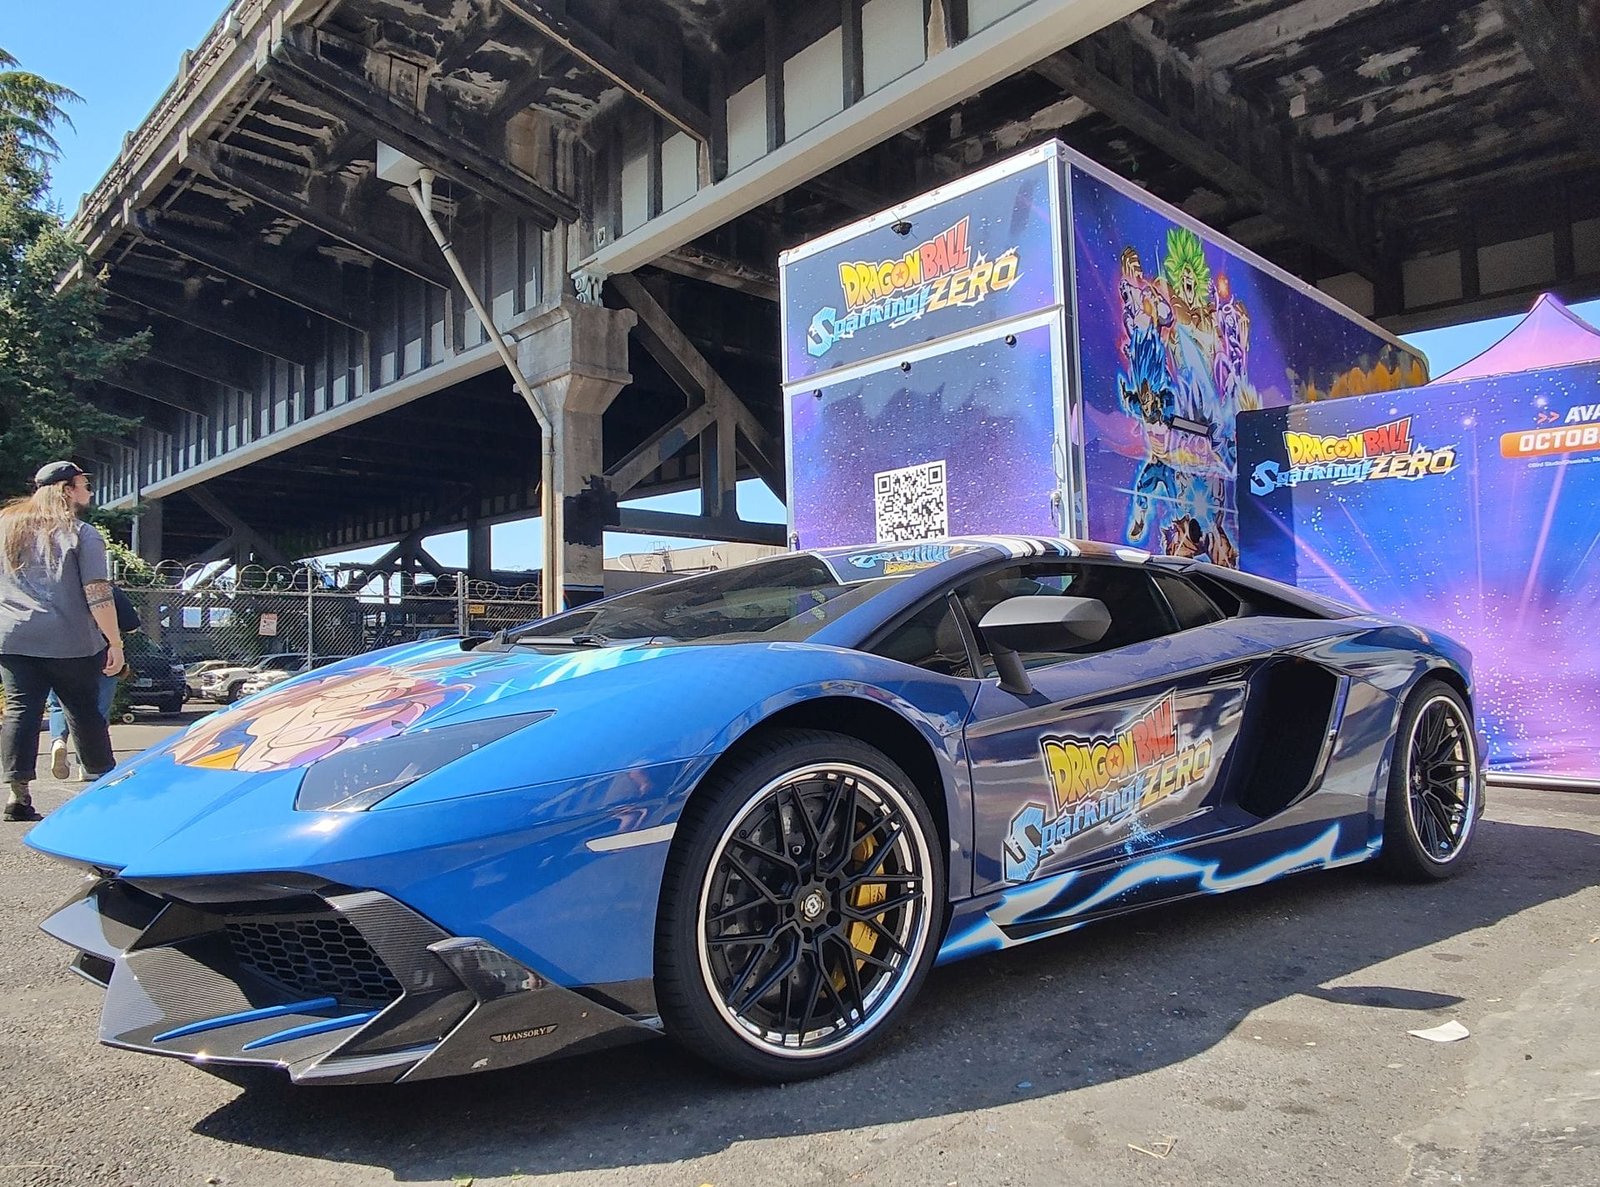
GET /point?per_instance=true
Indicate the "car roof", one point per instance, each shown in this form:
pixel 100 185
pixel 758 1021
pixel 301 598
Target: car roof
pixel 948 558
pixel 926 566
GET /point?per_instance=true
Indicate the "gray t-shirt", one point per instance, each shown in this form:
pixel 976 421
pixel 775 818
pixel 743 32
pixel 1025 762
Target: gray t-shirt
pixel 49 617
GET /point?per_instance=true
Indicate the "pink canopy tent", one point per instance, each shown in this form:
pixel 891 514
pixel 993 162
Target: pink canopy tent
pixel 1551 335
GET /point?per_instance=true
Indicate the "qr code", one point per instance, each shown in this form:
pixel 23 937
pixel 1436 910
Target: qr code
pixel 912 503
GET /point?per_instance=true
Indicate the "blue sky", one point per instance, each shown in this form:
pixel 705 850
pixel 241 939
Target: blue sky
pixel 121 55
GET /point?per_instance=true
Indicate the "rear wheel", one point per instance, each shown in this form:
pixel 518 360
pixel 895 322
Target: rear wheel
pixel 1435 786
pixel 799 909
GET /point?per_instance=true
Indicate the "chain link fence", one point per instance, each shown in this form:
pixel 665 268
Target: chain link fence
pixel 269 623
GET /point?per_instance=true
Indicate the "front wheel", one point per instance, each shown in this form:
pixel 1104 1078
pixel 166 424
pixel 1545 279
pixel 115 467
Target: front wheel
pixel 1435 786
pixel 800 907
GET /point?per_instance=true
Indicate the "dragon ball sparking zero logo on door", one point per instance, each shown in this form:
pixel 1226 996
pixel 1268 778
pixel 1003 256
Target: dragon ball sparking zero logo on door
pixel 1104 780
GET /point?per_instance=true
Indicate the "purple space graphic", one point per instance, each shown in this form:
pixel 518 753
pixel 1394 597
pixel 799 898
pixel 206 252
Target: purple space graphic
pixel 987 411
pixel 1242 340
pixel 1502 554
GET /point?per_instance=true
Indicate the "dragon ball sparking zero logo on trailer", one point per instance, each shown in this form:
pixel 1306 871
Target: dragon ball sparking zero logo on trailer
pixel 1367 455
pixel 937 274
pixel 1104 780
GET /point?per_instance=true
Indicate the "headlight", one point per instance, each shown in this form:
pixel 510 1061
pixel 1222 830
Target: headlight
pixel 353 780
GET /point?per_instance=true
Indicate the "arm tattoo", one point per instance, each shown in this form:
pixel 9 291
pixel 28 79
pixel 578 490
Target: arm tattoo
pixel 98 593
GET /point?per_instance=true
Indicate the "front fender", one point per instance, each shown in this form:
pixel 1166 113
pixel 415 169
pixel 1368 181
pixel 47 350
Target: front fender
pixel 935 707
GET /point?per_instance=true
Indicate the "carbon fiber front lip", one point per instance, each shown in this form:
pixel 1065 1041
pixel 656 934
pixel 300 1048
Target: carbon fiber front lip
pixel 176 989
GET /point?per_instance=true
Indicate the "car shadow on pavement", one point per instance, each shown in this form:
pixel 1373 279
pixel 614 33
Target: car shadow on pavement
pixel 1115 1000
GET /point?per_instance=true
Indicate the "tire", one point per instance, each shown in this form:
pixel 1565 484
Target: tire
pixel 170 706
pixel 1435 793
pixel 825 976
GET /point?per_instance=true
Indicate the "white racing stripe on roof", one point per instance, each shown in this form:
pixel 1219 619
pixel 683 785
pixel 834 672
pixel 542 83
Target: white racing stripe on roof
pixel 1022 546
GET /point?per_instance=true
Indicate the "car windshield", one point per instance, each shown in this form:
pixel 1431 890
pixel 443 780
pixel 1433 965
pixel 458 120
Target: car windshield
pixel 786 598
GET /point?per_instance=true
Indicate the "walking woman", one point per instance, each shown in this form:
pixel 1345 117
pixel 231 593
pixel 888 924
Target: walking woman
pixel 58 627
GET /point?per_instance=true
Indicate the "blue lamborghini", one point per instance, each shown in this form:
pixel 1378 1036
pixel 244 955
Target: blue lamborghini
pixel 750 809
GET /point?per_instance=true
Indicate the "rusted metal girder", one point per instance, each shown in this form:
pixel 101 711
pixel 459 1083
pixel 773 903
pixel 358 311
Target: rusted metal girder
pixel 160 384
pixel 599 55
pixel 262 333
pixel 296 67
pixel 691 371
pixel 1565 57
pixel 206 160
pixel 722 271
pixel 1277 175
pixel 259 269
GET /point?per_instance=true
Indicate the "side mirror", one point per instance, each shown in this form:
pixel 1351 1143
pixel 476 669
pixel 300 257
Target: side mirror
pixel 1039 623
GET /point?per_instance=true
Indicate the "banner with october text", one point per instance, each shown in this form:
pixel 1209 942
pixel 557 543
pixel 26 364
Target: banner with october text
pixel 1473 509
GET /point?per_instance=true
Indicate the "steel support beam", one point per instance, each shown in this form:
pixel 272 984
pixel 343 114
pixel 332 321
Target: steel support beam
pixel 670 347
pixel 238 530
pixel 595 52
pixel 662 445
pixel 1010 44
pixel 295 65
pixel 263 330
pixel 259 269
pixel 722 271
pixel 142 381
pixel 217 362
pixel 204 159
pixel 1280 179
pixel 1564 59
pixel 700 527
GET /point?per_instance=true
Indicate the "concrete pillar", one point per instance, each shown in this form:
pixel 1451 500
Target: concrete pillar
pixel 147 542
pixel 576 359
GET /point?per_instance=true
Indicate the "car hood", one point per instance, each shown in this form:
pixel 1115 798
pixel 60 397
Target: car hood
pixel 598 721
pixel 238 770
pixel 356 702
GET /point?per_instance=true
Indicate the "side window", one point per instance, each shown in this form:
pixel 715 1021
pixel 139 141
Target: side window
pixel 1191 607
pixel 1137 611
pixel 931 638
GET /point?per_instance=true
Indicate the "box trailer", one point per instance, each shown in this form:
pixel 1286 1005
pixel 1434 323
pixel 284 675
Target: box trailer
pixel 1041 348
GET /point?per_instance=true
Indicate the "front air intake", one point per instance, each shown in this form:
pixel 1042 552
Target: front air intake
pixel 315 957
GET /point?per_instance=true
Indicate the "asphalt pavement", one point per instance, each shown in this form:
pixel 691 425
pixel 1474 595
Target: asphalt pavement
pixel 1256 1038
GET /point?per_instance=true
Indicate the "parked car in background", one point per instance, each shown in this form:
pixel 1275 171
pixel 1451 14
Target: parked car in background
pixel 254 682
pixel 193 671
pixel 155 678
pixel 221 685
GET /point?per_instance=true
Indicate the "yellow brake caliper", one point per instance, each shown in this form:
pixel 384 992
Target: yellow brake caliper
pixel 862 937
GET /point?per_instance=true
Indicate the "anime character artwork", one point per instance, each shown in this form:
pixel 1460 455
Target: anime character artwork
pixel 1183 353
pixel 311 719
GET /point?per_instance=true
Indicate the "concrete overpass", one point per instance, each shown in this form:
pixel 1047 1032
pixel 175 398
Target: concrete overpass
pixel 619 176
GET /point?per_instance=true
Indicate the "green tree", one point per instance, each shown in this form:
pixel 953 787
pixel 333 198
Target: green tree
pixel 50 343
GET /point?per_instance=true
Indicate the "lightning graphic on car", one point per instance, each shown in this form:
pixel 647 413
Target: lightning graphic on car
pixel 1046 897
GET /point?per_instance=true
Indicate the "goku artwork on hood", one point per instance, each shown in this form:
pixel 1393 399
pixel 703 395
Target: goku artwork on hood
pixel 312 719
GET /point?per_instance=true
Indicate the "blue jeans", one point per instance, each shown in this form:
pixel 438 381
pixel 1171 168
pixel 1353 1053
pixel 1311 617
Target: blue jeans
pixel 58 717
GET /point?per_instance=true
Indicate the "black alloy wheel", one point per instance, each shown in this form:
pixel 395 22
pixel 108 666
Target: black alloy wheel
pixel 800 909
pixel 1435 785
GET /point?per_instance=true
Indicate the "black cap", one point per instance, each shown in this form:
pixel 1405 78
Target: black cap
pixel 55 472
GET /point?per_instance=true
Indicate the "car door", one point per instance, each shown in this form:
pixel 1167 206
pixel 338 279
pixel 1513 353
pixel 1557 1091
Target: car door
pixel 1122 747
